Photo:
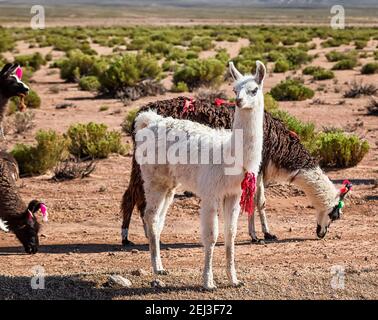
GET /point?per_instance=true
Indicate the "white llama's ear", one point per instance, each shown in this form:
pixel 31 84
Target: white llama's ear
pixel 260 72
pixel 234 72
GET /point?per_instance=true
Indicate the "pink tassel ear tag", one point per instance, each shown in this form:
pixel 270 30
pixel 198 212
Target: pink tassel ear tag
pixel 45 215
pixel 19 73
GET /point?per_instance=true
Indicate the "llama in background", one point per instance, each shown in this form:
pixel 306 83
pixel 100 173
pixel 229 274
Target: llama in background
pixel 10 86
pixel 284 159
pixel 218 190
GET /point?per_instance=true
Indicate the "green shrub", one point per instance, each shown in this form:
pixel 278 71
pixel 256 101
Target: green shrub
pixel 205 43
pixel 334 56
pixel 291 90
pixel 180 87
pixel 94 140
pixel 50 149
pixel 78 65
pixel 318 73
pixel 127 124
pixel 345 64
pixel 33 61
pixel 128 70
pixel 281 66
pixel 376 55
pixel 370 68
pixel 305 131
pixel 32 100
pixel 89 83
pixel 197 73
pixel 270 103
pixel 360 44
pixel 339 150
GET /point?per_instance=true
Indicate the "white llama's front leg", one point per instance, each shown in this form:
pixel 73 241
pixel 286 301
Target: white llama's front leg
pixel 154 203
pixel 231 213
pixel 209 233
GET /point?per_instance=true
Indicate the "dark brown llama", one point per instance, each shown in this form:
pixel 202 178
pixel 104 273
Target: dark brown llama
pixel 284 159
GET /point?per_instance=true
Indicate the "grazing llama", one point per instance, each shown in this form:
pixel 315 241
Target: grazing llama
pixel 218 189
pixel 10 86
pixel 14 214
pixel 284 159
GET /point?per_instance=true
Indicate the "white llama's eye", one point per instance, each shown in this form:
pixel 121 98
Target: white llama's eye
pixel 252 92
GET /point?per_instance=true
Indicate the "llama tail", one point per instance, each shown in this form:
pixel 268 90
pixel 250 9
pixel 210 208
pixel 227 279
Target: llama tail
pixel 3 226
pixel 145 119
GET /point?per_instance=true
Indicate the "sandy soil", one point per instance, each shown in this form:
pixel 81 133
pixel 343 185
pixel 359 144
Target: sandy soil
pixel 80 246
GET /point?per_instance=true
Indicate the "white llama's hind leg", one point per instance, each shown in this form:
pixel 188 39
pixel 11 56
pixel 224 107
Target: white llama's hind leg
pixel 209 233
pixel 154 203
pixel 167 202
pixel 231 211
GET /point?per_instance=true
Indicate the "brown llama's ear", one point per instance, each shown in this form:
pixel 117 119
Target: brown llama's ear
pixel 8 69
pixel 260 72
pixel 5 69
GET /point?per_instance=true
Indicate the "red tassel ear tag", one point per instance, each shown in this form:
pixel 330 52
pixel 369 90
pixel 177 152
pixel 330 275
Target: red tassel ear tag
pixel 248 187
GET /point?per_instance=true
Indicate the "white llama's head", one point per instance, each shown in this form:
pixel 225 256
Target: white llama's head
pixel 248 88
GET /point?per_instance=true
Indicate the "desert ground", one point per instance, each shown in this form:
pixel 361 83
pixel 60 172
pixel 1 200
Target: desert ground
pixel 81 244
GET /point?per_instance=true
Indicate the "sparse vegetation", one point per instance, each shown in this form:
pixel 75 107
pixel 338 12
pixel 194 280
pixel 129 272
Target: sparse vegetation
pixel 370 68
pixel 291 90
pixel 318 73
pixel 339 150
pixel 357 89
pixel 128 121
pixel 94 140
pixel 34 160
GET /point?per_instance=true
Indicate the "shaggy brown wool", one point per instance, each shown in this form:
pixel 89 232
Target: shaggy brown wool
pixel 281 146
pixel 13 210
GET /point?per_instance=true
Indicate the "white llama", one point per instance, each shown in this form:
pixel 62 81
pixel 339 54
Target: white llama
pixel 218 191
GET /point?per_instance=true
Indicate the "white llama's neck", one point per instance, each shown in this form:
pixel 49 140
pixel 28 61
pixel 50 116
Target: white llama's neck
pixel 249 121
pixel 318 188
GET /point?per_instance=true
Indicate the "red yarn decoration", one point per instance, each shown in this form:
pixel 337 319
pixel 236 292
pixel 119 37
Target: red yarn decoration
pixel 248 187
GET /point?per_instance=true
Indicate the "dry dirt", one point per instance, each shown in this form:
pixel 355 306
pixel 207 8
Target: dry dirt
pixel 80 246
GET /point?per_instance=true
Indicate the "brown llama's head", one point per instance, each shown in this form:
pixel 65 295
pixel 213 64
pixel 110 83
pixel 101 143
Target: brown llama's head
pixel 27 227
pixel 10 82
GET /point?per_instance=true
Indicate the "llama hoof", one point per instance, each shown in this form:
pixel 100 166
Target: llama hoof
pixel 162 272
pixel 257 241
pixel 269 236
pixel 238 284
pixel 210 287
pixel 126 242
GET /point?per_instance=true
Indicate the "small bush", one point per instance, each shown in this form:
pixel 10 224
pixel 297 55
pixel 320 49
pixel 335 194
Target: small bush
pixel 33 61
pixel 360 44
pixel 373 107
pixel 291 90
pixel 334 56
pixel 24 121
pixel 127 124
pixel 50 149
pixel 370 68
pixel 128 70
pixel 306 131
pixel 197 73
pixel 357 89
pixel 281 66
pixel 318 73
pixel 338 150
pixel 94 140
pixel 32 100
pixel 345 64
pixel 270 103
pixel 89 83
pixel 73 169
pixel 180 87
